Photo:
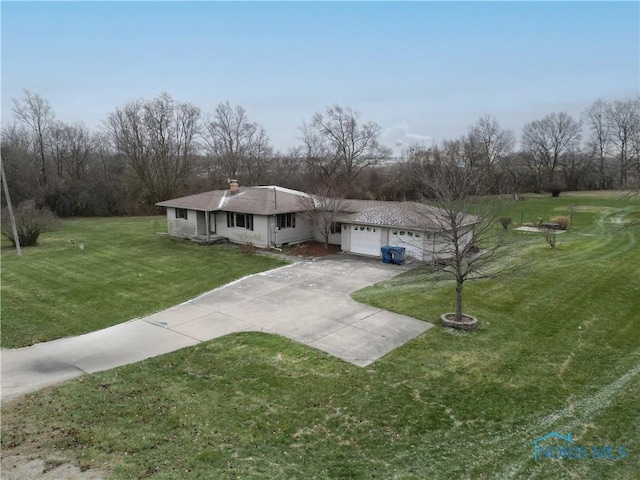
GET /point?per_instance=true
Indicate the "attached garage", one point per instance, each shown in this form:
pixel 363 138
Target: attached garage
pixel 375 224
pixel 365 240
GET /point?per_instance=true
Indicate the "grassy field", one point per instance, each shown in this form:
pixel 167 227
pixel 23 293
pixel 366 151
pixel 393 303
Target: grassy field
pixel 94 273
pixel 558 349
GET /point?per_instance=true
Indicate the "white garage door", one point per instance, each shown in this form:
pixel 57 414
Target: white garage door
pixel 365 240
pixel 413 242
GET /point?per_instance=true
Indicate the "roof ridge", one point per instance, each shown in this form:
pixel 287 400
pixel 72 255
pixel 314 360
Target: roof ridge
pixel 284 190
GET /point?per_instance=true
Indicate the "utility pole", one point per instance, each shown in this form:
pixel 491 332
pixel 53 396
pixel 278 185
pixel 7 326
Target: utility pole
pixel 10 208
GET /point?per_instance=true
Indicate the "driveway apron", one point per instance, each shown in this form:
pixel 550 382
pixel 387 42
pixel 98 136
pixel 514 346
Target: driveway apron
pixel 307 302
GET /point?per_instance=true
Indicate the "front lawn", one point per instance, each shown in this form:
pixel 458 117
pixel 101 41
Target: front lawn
pixel 97 272
pixel 557 349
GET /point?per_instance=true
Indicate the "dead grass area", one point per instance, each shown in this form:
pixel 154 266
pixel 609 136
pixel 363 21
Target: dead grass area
pixel 22 467
pixel 310 250
pixel 599 194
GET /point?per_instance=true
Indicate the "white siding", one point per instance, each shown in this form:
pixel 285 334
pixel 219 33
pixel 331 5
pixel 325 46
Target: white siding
pixel 263 231
pixel 345 238
pixel 181 227
pixel 334 238
pixel 413 242
pixel 302 232
pixel 259 236
pixel 442 249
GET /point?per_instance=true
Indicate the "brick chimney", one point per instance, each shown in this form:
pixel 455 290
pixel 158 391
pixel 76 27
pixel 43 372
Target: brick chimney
pixel 233 186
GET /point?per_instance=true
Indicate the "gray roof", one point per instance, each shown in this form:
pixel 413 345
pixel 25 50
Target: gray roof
pixel 207 201
pixel 268 200
pixel 409 215
pixel 271 200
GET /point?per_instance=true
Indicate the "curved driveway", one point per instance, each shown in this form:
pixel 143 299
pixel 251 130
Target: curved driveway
pixel 307 302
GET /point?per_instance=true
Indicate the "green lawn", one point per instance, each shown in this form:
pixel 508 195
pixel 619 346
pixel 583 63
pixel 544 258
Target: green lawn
pixel 558 349
pixel 94 273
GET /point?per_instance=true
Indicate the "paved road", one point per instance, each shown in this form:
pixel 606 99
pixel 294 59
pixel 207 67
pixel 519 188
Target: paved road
pixel 308 302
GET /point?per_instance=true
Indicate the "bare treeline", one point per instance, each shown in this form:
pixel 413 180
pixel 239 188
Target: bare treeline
pixel 149 150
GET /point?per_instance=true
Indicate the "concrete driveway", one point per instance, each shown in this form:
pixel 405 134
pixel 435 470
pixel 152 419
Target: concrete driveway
pixel 307 302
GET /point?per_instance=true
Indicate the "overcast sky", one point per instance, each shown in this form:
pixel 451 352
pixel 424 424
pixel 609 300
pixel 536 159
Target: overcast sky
pixel 421 70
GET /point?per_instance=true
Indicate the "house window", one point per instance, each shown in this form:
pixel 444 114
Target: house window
pixel 286 220
pixel 240 220
pixel 181 213
pixel 335 228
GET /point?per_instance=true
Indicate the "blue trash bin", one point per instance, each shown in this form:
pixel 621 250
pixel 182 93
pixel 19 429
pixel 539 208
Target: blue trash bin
pixel 386 254
pixel 397 255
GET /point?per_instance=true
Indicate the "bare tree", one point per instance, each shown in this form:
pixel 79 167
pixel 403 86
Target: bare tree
pixel 339 145
pixel 286 169
pixel 635 142
pixel 517 167
pixel 453 152
pixel 576 170
pixel 18 158
pixel 56 145
pixel 81 150
pixel 421 156
pixel 108 162
pixel 35 112
pixel 258 160
pixel 408 177
pixel 157 138
pixel 239 149
pixel 71 148
pixel 320 159
pixel 456 191
pixel 491 143
pixel 599 125
pixel 624 118
pixel 547 140
pixel 464 151
pixel 321 211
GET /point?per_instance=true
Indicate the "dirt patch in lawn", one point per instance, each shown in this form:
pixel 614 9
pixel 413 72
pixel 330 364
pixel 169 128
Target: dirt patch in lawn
pixel 310 250
pixel 21 467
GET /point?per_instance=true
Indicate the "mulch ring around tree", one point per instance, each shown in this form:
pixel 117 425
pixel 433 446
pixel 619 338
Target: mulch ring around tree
pixel 466 323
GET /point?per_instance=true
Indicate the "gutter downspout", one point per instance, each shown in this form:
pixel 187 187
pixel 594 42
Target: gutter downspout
pixel 275 221
pixel 275 233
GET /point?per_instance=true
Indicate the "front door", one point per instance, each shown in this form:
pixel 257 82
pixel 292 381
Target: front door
pixel 201 225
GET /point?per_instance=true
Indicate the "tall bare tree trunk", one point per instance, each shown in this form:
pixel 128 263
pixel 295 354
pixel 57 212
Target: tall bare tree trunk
pixel 459 286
